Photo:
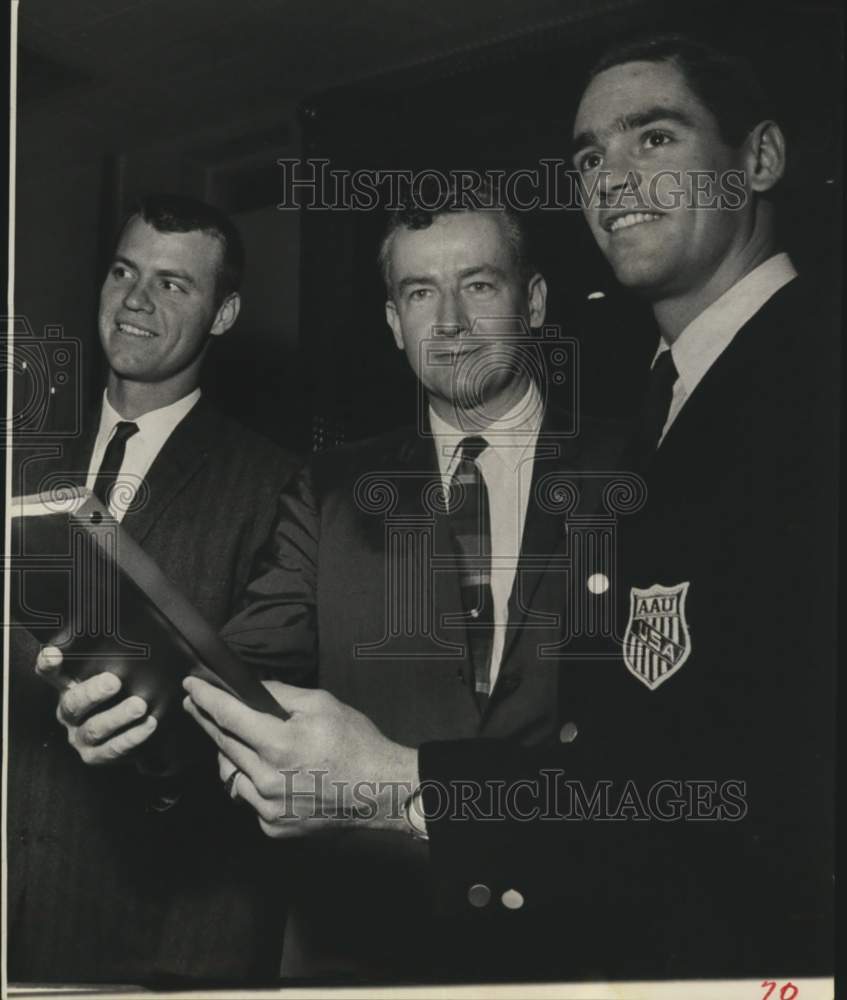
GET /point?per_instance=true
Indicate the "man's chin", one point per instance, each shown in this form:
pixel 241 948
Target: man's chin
pixel 474 411
pixel 640 276
pixel 128 371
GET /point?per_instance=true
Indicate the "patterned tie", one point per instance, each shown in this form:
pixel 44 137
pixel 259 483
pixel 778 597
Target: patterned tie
pixel 654 412
pixel 113 459
pixel 471 527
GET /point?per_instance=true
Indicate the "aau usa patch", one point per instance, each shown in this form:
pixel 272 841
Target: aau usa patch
pixel 656 642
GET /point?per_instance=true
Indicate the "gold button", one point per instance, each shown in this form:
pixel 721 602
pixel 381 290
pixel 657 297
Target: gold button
pixel 512 899
pixel 474 613
pixel 568 732
pixel 598 583
pixel 479 895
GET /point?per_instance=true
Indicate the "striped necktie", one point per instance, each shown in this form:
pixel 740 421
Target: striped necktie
pixel 471 528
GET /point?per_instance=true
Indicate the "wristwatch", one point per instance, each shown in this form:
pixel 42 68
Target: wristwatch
pixel 414 815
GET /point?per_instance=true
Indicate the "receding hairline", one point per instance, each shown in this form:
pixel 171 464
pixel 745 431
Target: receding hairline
pixel 510 230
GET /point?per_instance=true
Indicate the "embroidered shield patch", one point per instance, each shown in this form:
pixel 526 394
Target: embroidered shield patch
pixel 656 642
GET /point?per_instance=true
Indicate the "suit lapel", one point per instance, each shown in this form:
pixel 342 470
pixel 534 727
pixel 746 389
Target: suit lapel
pixel 764 334
pixel 544 532
pixel 78 454
pixel 45 467
pixel 413 466
pixel 184 453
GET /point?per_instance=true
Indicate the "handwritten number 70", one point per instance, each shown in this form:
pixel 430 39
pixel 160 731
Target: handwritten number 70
pixel 787 992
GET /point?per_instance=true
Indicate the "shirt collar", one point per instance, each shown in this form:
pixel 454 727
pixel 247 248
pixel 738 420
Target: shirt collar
pixel 706 337
pixel 508 437
pixel 155 426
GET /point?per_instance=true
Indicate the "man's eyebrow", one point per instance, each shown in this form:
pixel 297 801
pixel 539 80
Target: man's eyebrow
pixel 587 138
pixel 179 275
pixel 162 272
pixel 637 119
pixel 469 272
pixel 658 113
pixel 415 279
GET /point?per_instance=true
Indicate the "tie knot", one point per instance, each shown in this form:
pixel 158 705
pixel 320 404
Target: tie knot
pixel 124 429
pixel 472 447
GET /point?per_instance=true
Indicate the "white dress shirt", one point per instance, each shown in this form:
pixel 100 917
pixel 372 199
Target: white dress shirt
pixel 154 429
pixel 506 466
pixel 707 336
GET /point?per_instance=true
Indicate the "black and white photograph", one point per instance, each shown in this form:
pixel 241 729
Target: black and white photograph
pixel 422 463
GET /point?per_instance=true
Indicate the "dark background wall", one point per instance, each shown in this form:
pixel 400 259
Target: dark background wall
pixel 204 99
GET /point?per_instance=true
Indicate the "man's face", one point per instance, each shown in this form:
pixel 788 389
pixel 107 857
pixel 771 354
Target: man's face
pixel 639 132
pixel 157 304
pixel 460 309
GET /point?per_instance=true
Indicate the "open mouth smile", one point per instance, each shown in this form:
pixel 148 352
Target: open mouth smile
pixel 136 331
pixel 614 224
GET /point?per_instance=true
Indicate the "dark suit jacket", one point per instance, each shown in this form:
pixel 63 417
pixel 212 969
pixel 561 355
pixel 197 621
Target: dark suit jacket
pixel 741 507
pixel 358 578
pixel 104 887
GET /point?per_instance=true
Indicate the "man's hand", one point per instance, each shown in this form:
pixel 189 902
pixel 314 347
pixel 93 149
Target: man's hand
pixel 327 768
pixel 99 737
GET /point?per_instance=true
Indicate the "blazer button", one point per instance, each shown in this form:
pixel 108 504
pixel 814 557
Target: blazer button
pixel 479 895
pixel 512 899
pixel 568 732
pixel 598 583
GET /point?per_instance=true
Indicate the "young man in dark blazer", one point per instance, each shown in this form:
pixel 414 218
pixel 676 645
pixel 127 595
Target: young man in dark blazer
pixel 682 827
pixel 108 868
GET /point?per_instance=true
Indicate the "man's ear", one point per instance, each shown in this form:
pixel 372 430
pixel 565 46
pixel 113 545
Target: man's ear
pixel 227 314
pixel 765 155
pixel 393 320
pixel 537 298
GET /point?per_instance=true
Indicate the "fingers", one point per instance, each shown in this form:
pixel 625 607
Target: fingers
pixel 105 736
pixel 48 666
pixel 102 726
pixel 225 767
pixel 276 816
pixel 258 730
pixel 79 700
pixel 243 757
pixel 118 746
pixel 295 699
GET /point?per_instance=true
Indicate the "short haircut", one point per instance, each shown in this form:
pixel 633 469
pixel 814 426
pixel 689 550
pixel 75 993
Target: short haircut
pixel 480 198
pixel 724 83
pixel 171 213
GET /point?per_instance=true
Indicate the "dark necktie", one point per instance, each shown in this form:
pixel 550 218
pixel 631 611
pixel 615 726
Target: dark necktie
pixel 471 527
pixel 113 459
pixel 654 412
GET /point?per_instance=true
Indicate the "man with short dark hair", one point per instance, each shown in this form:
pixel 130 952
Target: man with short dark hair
pixel 683 826
pixel 108 873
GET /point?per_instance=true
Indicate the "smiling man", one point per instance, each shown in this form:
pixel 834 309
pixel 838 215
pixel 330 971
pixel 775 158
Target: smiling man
pixel 166 294
pixel 107 876
pixel 677 155
pixel 683 827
